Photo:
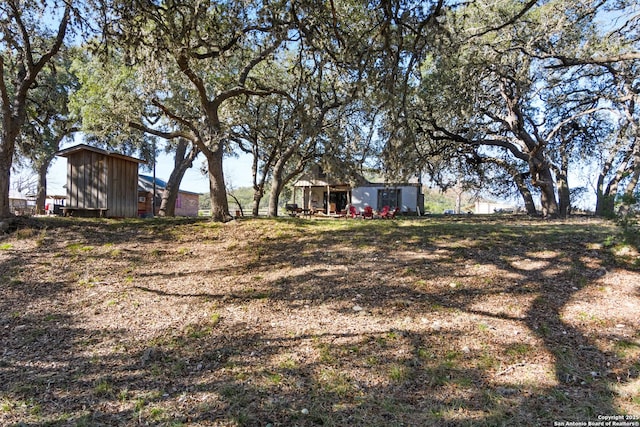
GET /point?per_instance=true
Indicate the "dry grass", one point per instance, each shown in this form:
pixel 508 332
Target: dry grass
pixel 437 321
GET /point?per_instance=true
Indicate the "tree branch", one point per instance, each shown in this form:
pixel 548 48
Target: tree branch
pixel 183 63
pixel 511 21
pixel 34 69
pixel 606 60
pixel 6 102
pixel 25 33
pixel 451 136
pixel 215 53
pixel 161 134
pixel 568 120
pixel 258 59
pixel 238 90
pixel 177 118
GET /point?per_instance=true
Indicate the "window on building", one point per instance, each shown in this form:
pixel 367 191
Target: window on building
pixel 389 197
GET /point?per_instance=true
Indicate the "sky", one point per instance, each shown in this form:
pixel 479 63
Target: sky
pixel 237 174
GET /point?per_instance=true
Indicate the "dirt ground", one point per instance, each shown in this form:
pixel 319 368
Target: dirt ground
pixel 478 321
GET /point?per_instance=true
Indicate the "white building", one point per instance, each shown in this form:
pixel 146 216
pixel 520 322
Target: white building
pixel 321 194
pixel 21 204
pixel 488 207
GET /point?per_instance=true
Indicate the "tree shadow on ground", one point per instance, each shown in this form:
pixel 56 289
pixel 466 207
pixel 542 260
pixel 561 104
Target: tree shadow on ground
pixel 410 331
pixel 584 375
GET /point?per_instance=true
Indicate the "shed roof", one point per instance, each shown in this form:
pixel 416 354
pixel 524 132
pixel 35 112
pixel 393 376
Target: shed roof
pixel 84 147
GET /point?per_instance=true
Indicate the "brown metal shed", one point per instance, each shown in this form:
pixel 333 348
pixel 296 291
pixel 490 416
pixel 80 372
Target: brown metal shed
pixel 100 182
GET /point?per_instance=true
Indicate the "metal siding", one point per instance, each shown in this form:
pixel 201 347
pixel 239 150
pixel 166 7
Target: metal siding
pixel 99 181
pixel 103 200
pixel 112 183
pixel 71 198
pixel 95 181
pixel 123 188
pixel 81 180
pixel 86 186
pixel 90 182
pixel 132 207
pixel 130 191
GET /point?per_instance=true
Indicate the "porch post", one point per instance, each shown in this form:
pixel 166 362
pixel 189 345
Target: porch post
pixel 328 199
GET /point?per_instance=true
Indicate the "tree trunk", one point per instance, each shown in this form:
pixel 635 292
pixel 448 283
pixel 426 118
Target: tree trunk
pixel 521 184
pixel 562 174
pixel 258 194
pixel 277 183
pixel 527 197
pixel 5 179
pixel 258 185
pixel 182 162
pixel 548 201
pixel 564 196
pixel 274 196
pixel 170 195
pixel 14 110
pixel 606 196
pixel 606 203
pixel 7 147
pixel 628 198
pixel 41 195
pixel 217 188
pixel 544 181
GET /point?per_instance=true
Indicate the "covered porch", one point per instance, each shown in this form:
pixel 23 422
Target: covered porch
pixel 321 197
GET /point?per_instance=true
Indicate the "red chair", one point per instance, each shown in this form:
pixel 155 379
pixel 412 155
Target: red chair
pixel 367 212
pixel 384 213
pixel 353 212
pixel 393 213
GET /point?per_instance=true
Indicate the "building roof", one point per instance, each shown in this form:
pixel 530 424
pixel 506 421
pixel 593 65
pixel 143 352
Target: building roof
pixel 320 183
pixel 145 183
pixel 84 147
pixel 16 195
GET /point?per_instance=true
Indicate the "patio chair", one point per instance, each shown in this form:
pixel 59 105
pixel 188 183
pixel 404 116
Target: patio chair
pixel 384 213
pixel 353 212
pixel 367 212
pixel 392 214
